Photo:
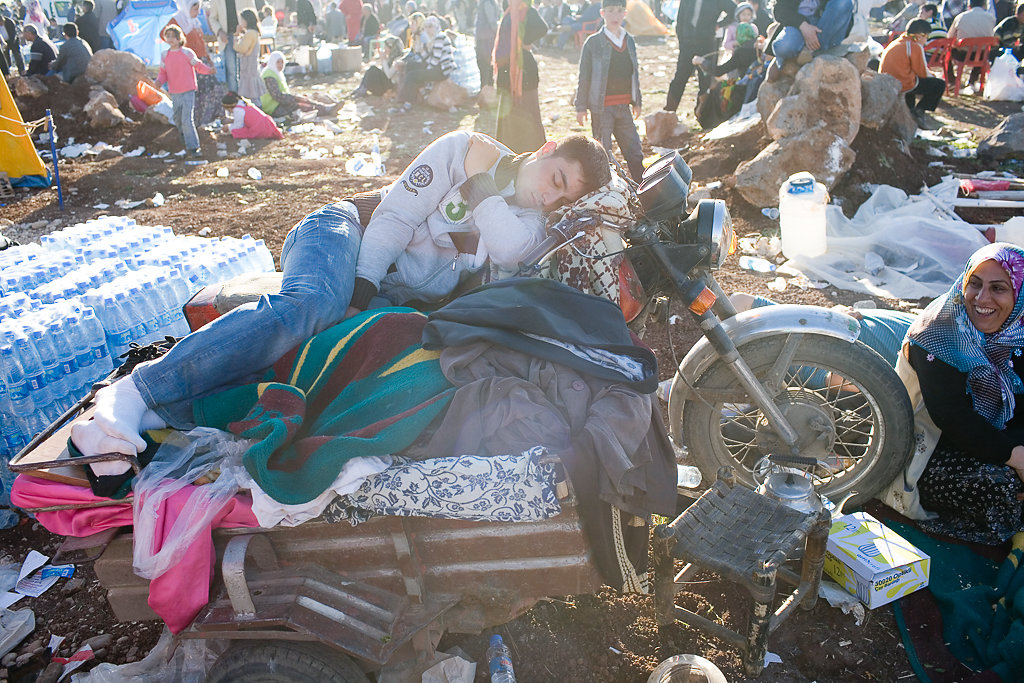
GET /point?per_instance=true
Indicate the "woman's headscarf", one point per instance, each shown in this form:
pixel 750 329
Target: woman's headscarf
pixel 184 17
pixel 945 331
pixel 272 60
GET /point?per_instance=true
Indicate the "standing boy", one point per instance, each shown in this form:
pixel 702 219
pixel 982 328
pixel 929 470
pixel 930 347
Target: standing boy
pixel 609 86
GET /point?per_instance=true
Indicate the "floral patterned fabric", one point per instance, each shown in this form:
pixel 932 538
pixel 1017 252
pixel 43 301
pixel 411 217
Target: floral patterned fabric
pixel 592 263
pixel 503 488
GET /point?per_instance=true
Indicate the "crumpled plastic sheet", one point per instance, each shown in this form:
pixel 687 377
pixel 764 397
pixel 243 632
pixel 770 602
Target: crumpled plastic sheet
pixel 1002 82
pixel 179 462
pixel 923 249
pixel 189 663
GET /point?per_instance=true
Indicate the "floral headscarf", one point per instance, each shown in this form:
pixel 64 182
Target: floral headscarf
pixel 945 331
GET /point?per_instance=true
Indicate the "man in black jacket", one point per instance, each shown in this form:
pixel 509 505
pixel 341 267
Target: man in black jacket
pixel 89 26
pixel 695 28
pixel 811 25
pixel 43 51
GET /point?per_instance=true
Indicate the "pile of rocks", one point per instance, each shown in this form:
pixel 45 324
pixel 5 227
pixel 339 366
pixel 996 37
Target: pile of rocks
pixel 813 117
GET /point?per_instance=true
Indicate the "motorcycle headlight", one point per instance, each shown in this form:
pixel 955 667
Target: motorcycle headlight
pixel 714 229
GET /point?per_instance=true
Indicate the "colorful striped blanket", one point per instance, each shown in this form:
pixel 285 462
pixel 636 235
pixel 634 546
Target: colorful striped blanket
pixel 363 387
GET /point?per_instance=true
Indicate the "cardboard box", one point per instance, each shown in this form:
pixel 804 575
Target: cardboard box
pixel 347 59
pixel 872 561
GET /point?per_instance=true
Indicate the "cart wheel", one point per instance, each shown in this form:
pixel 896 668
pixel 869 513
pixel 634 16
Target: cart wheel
pixel 284 662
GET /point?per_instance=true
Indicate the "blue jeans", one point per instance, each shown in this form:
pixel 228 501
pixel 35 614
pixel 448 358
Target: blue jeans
pixel 185 117
pixel 230 58
pixel 834 23
pixel 617 120
pixel 319 264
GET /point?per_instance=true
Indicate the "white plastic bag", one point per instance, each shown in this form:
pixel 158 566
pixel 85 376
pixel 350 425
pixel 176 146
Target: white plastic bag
pixel 1003 82
pixel 180 461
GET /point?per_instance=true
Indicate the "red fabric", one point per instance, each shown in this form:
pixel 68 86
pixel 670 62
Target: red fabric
pixel 353 11
pixel 258 124
pixel 178 594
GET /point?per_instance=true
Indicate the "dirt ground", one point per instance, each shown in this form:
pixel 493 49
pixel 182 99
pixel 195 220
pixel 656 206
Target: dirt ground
pixel 593 638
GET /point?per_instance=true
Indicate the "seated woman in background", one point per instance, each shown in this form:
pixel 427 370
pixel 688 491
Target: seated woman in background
pixel 278 101
pixel 965 479
pixel 248 120
pixel 379 79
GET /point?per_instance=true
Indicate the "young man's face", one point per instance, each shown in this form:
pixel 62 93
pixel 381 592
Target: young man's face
pixel 926 13
pixel 613 16
pixel 546 182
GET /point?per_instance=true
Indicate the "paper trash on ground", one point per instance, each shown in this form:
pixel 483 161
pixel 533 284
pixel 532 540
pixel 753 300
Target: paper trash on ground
pixel 35 578
pixel 451 670
pixel 744 120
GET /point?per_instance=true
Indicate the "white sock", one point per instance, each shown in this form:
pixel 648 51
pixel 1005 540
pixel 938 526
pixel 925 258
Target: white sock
pixel 119 412
pixel 90 439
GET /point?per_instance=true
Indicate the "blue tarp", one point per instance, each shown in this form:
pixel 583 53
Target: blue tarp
pixel 137 28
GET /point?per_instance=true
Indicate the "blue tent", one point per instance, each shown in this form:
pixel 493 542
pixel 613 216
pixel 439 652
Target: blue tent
pixel 137 28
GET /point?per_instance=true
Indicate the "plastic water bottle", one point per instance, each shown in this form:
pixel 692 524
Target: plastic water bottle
pixel 757 265
pixel 33 366
pixel 96 338
pixel 53 370
pixel 61 338
pixel 802 203
pixel 19 397
pixel 118 325
pixel 687 476
pixel 499 661
pixel 144 299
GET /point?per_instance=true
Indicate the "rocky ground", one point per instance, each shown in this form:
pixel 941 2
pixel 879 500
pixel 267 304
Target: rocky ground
pixel 603 637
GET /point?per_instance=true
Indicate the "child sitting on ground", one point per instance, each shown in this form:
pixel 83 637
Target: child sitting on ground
pixel 248 120
pixel 178 71
pixel 609 86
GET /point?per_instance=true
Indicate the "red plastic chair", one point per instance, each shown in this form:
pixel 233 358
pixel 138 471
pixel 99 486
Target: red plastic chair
pixel 976 50
pixel 935 50
pixel 586 29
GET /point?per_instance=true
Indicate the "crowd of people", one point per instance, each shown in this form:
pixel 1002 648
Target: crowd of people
pixel 731 47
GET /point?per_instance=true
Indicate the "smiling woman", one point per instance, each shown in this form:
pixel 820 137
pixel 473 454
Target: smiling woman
pixel 958 365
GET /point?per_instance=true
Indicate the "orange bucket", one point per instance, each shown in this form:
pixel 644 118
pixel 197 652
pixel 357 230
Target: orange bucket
pixel 148 93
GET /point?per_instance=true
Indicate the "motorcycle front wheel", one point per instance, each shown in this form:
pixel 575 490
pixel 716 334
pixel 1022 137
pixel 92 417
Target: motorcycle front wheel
pixel 847 403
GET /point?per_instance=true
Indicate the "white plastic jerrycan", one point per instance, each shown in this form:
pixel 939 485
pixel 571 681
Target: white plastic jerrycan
pixel 802 204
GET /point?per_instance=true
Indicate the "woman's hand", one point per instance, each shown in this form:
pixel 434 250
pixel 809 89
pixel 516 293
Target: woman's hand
pixel 482 154
pixel 1016 461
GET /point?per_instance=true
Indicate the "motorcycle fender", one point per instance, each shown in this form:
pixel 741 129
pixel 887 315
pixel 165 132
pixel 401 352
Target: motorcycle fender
pixel 745 327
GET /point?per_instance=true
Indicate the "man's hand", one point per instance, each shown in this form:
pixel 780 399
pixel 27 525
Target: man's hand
pixel 810 33
pixel 581 117
pixel 481 155
pixel 636 111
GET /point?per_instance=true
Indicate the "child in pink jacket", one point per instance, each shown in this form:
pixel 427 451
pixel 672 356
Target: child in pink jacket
pixel 179 73
pixel 248 120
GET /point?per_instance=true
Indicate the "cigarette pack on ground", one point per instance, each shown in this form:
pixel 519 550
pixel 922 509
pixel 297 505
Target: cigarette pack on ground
pixel 872 561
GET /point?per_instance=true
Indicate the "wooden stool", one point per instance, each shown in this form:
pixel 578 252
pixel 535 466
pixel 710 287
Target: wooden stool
pixel 745 538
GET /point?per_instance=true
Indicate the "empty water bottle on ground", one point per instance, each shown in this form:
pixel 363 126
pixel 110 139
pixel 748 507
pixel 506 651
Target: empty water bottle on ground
pixel 757 265
pixel 499 661
pixel 687 476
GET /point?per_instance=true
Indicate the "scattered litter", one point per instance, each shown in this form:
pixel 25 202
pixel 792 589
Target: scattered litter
pixel 338 151
pixel 137 152
pixel 160 155
pixel 196 162
pixel 205 232
pixel 777 285
pixel 222 145
pixel 222 172
pixel 83 148
pixel 455 669
pixel 180 153
pixel 362 165
pixel 72 663
pixel 618 652
pixel 714 185
pixel 844 643
pixel 127 204
pixel 14 627
pixel 771 658
pixel 771 213
pixel 101 206
pixel 157 200
pixel 674 319
pixel 254 173
pixel 837 596
pixel 427 131
pixel 35 578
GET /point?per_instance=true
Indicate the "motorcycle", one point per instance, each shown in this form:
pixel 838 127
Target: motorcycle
pixel 791 383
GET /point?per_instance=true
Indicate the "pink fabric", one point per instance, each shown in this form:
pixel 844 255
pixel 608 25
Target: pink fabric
pixel 258 124
pixel 179 71
pixel 178 594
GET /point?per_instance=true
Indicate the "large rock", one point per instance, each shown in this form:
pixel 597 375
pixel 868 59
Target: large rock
pixel 820 151
pixel 878 94
pixel 118 72
pixel 769 94
pixel 447 94
pixel 29 86
pixel 102 109
pixel 661 126
pixel 1006 141
pixel 901 121
pixel 859 58
pixel 826 91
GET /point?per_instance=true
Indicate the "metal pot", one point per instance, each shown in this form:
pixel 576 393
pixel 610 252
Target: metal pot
pixel 792 489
